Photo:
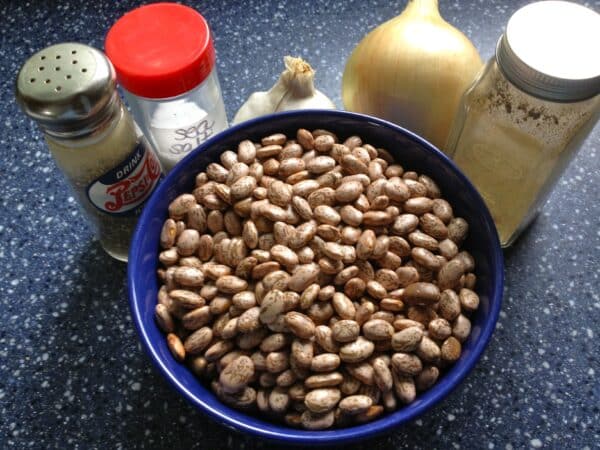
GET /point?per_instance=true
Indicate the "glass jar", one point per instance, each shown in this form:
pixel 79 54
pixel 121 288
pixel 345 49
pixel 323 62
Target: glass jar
pixel 69 89
pixel 529 110
pixel 165 61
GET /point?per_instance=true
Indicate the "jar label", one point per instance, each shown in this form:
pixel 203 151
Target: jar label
pixel 180 141
pixel 180 126
pixel 125 187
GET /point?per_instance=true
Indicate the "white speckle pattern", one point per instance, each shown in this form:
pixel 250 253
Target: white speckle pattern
pixel 536 443
pixel 72 371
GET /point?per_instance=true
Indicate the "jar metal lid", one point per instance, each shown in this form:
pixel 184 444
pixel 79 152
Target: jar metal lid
pixel 550 50
pixel 161 50
pixel 68 88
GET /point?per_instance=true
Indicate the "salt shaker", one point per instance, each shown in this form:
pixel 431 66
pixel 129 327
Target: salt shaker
pixel 529 110
pixel 70 90
pixel 165 61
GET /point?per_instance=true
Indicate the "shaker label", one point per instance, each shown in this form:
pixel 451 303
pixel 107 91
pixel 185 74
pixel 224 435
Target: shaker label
pixel 126 186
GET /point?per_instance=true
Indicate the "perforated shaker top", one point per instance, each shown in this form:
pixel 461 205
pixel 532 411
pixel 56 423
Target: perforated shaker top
pixel 68 88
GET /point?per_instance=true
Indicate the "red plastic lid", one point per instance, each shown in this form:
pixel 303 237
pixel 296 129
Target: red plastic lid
pixel 161 50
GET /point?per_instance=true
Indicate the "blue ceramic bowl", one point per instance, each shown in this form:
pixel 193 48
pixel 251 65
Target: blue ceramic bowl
pixel 414 153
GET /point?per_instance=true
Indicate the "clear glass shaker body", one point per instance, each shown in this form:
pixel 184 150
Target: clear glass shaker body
pixel 114 151
pixel 177 125
pixel 514 146
pixel 92 137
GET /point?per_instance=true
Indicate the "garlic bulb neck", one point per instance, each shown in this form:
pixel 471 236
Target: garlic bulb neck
pixel 295 89
pixel 299 77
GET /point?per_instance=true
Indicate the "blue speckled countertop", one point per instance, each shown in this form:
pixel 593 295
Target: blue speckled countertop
pixel 72 374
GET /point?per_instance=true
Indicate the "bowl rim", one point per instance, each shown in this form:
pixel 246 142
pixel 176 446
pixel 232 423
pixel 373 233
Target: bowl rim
pixel 281 433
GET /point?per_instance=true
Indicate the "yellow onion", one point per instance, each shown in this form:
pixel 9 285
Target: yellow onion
pixel 412 70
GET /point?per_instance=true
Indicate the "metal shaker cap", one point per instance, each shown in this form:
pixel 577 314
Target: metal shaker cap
pixel 550 50
pixel 69 89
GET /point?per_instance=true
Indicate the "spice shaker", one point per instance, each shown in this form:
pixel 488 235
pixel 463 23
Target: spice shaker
pixel 529 110
pixel 69 89
pixel 165 61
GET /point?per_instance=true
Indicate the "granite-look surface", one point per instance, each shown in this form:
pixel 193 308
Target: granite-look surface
pixel 72 374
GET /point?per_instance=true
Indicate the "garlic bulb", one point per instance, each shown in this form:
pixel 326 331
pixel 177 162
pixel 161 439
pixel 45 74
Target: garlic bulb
pixel 295 89
pixel 412 70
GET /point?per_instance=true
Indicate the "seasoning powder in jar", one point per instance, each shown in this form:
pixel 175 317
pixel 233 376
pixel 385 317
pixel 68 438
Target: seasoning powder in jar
pixel 165 61
pixel 69 89
pixel 529 110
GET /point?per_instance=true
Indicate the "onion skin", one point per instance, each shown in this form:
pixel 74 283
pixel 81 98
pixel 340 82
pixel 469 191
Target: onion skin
pixel 412 70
